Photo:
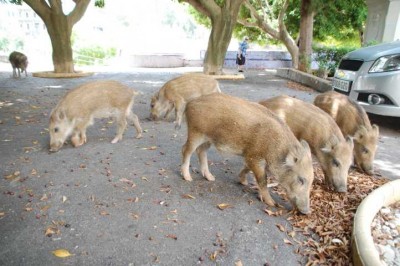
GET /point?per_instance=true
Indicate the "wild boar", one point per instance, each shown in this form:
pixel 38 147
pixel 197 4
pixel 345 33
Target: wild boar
pixel 80 106
pixel 19 62
pixel 177 92
pixel 308 122
pixel 353 121
pixel 250 130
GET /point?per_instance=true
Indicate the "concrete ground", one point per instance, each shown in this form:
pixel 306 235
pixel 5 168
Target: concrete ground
pixel 126 203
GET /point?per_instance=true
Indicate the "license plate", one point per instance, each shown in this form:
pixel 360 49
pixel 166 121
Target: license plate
pixel 340 84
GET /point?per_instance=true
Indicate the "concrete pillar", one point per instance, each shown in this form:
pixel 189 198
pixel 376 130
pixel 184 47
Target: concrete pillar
pixel 392 24
pixel 383 21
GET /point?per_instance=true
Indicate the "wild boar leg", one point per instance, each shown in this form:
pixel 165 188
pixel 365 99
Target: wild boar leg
pixel 135 120
pixel 180 105
pixel 242 175
pixel 193 141
pixel 76 140
pixel 258 169
pixel 121 123
pixel 79 135
pixel 202 154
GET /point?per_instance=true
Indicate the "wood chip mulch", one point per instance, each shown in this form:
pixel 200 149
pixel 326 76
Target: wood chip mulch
pixel 327 230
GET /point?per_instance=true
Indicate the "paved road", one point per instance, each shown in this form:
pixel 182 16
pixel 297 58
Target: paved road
pixel 126 203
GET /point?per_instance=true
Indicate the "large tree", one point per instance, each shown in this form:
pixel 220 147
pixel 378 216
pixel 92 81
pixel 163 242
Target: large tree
pixel 223 16
pixel 280 20
pixel 59 26
pixel 261 14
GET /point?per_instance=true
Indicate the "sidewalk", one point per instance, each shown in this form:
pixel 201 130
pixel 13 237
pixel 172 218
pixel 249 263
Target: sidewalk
pixel 126 203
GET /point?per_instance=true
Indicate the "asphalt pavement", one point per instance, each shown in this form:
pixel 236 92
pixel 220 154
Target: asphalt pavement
pixel 126 203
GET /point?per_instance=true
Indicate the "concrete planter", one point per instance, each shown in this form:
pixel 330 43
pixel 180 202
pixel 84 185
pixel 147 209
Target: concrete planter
pixel 363 248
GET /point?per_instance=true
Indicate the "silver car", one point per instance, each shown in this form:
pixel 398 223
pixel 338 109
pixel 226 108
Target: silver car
pixel 371 76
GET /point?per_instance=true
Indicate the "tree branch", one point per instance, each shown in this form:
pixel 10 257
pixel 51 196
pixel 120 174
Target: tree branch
pixel 40 7
pixel 78 12
pixel 198 6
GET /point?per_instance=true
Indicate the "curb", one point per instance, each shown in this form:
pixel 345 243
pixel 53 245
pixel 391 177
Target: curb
pixel 52 74
pixel 309 80
pixel 362 244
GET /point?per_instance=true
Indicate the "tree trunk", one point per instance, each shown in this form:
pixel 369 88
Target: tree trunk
pixel 60 31
pixel 306 35
pixel 220 37
pixel 59 26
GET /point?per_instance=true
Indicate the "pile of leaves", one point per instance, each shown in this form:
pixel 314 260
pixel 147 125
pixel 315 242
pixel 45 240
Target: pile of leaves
pixel 327 230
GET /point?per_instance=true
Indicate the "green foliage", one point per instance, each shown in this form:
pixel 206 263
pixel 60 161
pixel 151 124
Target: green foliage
pixel 99 3
pixel 328 57
pixel 4 44
pixel 8 44
pixel 93 55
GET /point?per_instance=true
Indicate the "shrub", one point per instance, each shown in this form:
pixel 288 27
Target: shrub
pixel 94 55
pixel 328 57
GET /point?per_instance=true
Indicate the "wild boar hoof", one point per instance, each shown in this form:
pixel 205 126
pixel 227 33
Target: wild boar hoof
pixel 177 126
pixel 268 200
pixel 188 178
pixel 115 140
pixel 209 177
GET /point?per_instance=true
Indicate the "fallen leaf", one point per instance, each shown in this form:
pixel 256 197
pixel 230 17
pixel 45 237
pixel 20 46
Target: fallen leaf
pixel 281 227
pixel 61 253
pixel 2 214
pixel 286 241
pixel 270 213
pixel 44 197
pixel 152 148
pixel 337 241
pixel 214 255
pixel 133 200
pixel 172 236
pixel 188 196
pixel 104 213
pixel 64 199
pixel 224 206
pixel 13 175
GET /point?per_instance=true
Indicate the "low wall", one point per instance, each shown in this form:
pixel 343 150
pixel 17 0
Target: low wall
pixel 254 59
pixel 260 59
pixel 157 60
pixel 309 80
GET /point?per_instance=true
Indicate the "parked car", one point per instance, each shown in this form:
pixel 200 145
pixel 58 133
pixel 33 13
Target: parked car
pixel 371 76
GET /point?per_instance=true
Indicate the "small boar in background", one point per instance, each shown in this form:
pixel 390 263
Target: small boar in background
pixel 250 130
pixel 308 122
pixel 80 106
pixel 177 92
pixel 19 62
pixel 353 121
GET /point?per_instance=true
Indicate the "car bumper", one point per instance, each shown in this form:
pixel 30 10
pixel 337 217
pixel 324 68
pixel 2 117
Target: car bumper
pixel 385 86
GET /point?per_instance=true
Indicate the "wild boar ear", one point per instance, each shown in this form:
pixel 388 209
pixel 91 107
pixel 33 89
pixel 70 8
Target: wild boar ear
pixel 375 128
pixel 305 145
pixel 360 133
pixel 290 160
pixel 61 114
pixel 349 141
pixel 327 148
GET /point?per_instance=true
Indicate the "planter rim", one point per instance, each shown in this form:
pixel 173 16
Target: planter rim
pixel 363 247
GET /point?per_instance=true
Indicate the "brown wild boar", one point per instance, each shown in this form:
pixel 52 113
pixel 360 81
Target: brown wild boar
pixel 177 92
pixel 308 122
pixel 19 62
pixel 80 106
pixel 250 130
pixel 353 121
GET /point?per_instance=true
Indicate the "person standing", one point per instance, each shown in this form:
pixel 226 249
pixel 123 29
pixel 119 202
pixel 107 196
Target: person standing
pixel 241 55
